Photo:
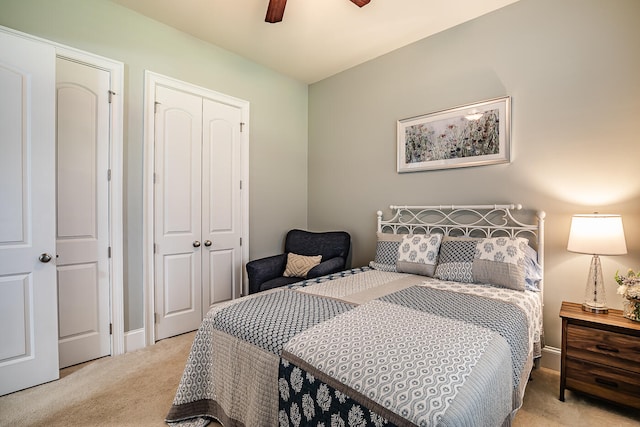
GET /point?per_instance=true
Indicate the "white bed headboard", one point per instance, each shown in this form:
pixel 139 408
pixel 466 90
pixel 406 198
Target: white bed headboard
pixel 468 221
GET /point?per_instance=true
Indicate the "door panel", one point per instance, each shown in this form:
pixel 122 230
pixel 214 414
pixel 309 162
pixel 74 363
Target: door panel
pixel 221 276
pixel 179 299
pixel 178 296
pixel 221 200
pixel 14 159
pixel 82 146
pixel 220 167
pixel 76 151
pixel 28 310
pixel 77 282
pixel 16 291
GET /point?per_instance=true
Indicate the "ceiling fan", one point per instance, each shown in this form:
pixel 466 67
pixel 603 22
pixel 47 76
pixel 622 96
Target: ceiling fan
pixel 275 11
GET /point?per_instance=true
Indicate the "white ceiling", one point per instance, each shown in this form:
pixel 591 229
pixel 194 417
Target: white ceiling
pixel 317 38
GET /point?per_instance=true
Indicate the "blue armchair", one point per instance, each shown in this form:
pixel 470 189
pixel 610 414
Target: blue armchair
pixel 267 273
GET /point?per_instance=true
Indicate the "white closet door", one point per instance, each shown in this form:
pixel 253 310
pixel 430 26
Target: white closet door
pixel 198 202
pixel 178 245
pixel 28 307
pixel 82 211
pixel 221 202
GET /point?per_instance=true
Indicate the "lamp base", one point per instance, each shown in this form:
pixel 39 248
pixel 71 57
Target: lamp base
pixel 594 298
pixel 595 308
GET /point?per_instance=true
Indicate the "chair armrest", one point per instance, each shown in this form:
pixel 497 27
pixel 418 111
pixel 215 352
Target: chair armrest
pixel 263 269
pixel 329 266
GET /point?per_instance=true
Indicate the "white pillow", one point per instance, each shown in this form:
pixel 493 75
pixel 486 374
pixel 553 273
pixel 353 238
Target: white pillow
pixel 501 261
pixel 418 254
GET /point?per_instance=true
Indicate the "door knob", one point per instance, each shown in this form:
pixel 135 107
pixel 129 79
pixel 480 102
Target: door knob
pixel 44 257
pixel 207 243
pixel 196 244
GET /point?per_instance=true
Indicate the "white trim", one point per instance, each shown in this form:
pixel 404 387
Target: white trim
pixel 116 71
pixel 551 358
pixel 244 173
pixel 134 340
pixel 152 80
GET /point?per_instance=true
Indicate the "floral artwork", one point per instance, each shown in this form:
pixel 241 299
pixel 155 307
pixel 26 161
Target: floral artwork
pixel 453 138
pixel 629 288
pixel 471 135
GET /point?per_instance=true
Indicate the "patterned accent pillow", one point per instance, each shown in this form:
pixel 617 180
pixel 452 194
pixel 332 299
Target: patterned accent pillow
pixel 418 254
pixel 456 259
pixel 299 265
pixel 501 261
pixel 532 270
pixel 386 252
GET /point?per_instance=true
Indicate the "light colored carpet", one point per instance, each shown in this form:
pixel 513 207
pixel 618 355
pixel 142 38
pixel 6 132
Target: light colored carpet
pixel 136 389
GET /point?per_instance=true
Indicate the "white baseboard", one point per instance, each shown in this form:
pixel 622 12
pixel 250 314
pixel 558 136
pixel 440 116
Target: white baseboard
pixel 550 358
pixel 134 340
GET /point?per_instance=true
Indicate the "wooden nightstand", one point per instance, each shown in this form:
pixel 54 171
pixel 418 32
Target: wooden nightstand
pixel 600 355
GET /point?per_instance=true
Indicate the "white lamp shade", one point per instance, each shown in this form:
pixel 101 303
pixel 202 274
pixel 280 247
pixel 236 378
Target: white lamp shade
pixel 597 234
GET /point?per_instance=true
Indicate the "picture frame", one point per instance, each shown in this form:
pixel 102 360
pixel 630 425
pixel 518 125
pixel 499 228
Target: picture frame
pixel 469 135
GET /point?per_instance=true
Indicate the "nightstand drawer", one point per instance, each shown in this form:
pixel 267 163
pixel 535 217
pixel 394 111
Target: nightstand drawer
pixel 605 347
pixel 612 384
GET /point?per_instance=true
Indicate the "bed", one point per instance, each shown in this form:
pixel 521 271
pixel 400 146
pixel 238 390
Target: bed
pixel 442 327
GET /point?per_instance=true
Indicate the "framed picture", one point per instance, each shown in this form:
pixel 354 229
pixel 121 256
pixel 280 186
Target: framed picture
pixel 469 135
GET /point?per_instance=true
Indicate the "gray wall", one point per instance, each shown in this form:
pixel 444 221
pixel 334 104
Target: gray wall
pixel 571 68
pixel 278 139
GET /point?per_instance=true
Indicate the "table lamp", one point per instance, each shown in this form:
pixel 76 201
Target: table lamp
pixel 596 234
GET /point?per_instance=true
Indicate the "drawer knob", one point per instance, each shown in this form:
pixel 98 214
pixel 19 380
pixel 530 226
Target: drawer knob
pixel 607 348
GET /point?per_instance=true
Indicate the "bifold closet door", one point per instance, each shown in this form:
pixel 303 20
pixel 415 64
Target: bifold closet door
pixel 221 202
pixel 177 211
pixel 198 227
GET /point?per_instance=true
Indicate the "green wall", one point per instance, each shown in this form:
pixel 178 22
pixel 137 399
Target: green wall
pixel 571 68
pixel 278 138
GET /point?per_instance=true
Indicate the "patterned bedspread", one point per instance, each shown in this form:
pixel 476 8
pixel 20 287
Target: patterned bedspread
pixel 362 348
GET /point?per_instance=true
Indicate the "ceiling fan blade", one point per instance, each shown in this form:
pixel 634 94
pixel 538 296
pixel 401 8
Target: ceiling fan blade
pixel 275 11
pixel 360 3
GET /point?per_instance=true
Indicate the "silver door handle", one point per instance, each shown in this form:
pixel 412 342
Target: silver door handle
pixel 207 243
pixel 44 257
pixel 196 244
